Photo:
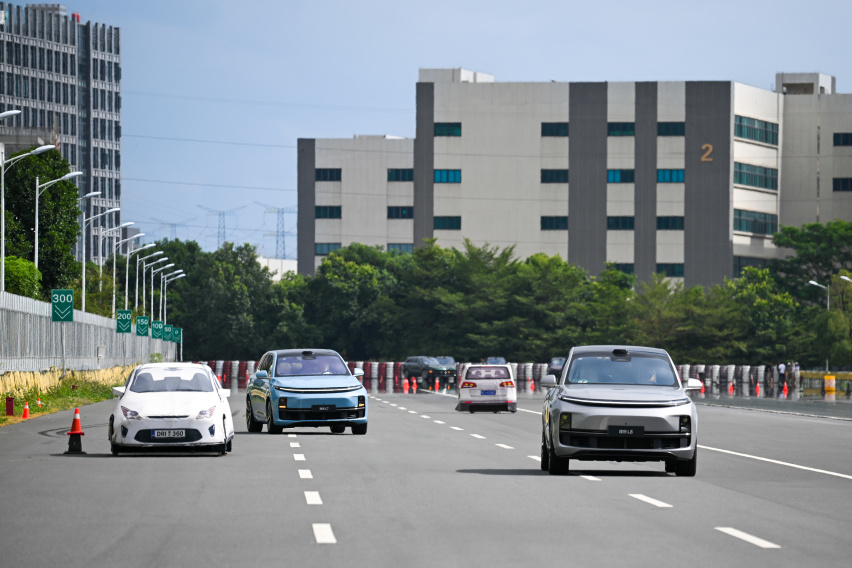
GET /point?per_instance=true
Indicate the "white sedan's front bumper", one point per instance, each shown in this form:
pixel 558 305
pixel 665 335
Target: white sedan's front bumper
pixel 160 433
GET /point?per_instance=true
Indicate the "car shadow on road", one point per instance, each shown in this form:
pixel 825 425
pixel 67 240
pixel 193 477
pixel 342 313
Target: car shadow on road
pixel 142 455
pixel 538 471
pixel 513 472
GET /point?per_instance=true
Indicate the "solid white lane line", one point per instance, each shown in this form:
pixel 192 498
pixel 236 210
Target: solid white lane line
pixel 530 411
pixel 649 500
pixel 536 458
pixel 747 537
pixel 313 498
pixel 590 478
pixel 504 446
pixel 323 533
pixel 776 462
pixel 438 422
pixel 478 436
pixel 295 445
pixel 305 474
pixel 424 416
pixel 299 457
pixel 457 428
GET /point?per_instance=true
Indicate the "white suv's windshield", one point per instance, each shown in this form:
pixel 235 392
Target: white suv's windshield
pixel 171 380
pixel 298 365
pixel 633 370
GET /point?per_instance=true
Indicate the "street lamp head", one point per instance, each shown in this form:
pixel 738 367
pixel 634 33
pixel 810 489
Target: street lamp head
pixel 846 278
pixel 812 283
pixel 91 194
pixel 9 113
pixel 41 149
pixel 113 210
pixel 149 245
pixel 127 224
pixel 71 175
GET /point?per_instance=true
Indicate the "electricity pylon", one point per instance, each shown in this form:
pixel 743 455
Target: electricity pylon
pixel 280 231
pixel 222 214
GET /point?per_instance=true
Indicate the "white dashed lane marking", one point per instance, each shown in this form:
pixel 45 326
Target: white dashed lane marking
pixel 457 428
pixel 504 446
pixel 323 533
pixel 402 408
pixel 412 412
pixel 393 405
pixel 478 436
pixel 291 435
pixel 299 457
pixel 295 445
pixel 313 498
pixel 649 500
pixel 536 458
pixel 747 537
pixel 305 474
pixel 438 422
pixel 424 416
pixel 587 477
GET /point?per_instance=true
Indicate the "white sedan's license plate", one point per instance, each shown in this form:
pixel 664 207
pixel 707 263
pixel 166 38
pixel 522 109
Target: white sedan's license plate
pixel 168 434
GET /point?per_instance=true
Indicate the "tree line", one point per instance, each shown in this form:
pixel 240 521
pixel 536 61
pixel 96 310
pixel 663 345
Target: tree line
pixel 469 303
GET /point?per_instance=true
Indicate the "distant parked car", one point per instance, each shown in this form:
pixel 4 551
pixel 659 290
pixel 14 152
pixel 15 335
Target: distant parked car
pixel 488 388
pixel 495 361
pixel 555 366
pixel 425 370
pixel 295 388
pixel 171 406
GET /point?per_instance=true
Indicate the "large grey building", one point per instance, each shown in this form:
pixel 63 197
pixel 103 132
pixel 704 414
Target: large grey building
pixel 65 78
pixel 689 178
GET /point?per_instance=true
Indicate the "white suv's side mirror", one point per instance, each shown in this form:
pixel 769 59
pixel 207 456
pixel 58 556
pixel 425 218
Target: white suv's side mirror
pixel 548 381
pixel 693 385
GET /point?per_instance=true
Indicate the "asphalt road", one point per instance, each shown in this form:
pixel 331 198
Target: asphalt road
pixel 427 486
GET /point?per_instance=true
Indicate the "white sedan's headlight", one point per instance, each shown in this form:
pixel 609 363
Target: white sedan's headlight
pixel 207 413
pixel 130 414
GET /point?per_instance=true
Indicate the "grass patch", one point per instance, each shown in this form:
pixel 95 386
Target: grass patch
pixel 62 397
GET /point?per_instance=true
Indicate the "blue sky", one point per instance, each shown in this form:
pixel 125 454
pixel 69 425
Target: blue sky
pixel 216 93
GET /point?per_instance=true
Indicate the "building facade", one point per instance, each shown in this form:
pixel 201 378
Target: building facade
pixel 65 78
pixel 689 179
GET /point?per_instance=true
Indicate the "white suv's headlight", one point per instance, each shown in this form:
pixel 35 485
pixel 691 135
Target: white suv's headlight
pixel 206 413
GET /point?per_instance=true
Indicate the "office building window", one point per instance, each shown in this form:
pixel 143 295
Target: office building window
pixel 625 267
pixel 554 129
pixel 620 176
pixel 741 262
pixel 671 270
pixel 842 184
pixel 669 176
pixel 400 212
pixel 447 223
pixel 843 138
pixel 755 222
pixel 406 174
pixel 328 174
pixel 554 176
pixel 554 223
pixel 447 176
pixel 448 129
pixel 619 223
pixel 621 129
pixel 401 247
pixel 757 130
pixel 669 223
pixel 755 176
pixel 671 129
pixel 328 211
pixel 322 249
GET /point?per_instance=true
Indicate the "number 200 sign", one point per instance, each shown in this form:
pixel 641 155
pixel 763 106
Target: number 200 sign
pixel 123 320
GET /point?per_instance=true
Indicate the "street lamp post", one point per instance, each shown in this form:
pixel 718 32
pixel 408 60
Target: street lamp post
pixel 153 272
pixel 163 281
pixel 114 254
pixel 92 218
pixel 127 271
pixel 4 163
pixel 101 251
pixel 39 189
pixel 827 304
pixel 136 304
pixel 145 267
pixel 166 297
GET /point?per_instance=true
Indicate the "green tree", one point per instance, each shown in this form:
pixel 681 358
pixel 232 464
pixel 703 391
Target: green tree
pixel 58 213
pixel 22 277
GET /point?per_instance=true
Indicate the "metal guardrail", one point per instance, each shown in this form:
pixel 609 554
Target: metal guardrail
pixel 30 341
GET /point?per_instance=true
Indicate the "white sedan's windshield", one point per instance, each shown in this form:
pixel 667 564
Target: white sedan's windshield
pixel 171 380
pixel 635 370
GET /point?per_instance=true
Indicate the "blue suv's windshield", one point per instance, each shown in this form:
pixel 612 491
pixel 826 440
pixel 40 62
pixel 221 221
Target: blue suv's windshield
pixel 298 365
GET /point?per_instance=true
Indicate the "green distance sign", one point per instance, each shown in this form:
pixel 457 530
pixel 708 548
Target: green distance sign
pixel 61 305
pixel 156 330
pixel 123 321
pixel 177 334
pixel 167 333
pixel 142 325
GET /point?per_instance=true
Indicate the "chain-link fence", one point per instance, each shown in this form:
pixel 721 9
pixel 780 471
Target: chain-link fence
pixel 30 341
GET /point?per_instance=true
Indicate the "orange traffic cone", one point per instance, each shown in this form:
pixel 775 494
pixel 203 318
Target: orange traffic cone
pixel 437 384
pixel 701 392
pixel 38 401
pixel 26 413
pixel 784 390
pixel 75 445
pixel 731 388
pixel 532 385
pixel 757 389
pixel 405 386
pixel 414 385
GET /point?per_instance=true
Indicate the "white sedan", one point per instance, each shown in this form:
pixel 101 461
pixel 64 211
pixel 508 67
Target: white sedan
pixel 489 388
pixel 171 406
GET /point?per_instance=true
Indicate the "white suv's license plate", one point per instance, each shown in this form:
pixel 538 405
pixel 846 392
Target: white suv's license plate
pixel 168 434
pixel 488 392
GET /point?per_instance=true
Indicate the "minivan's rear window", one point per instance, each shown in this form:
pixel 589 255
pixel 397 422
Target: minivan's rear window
pixel 487 373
